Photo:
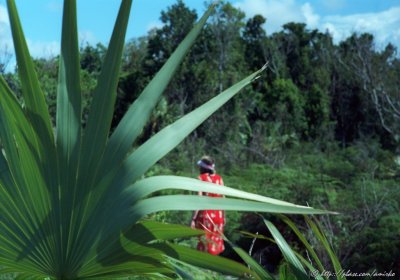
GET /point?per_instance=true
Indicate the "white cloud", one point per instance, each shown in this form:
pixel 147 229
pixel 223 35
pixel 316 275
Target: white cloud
pixel 87 37
pixel 43 49
pixel 154 24
pixel 253 7
pixel 55 6
pixel 6 46
pixel 332 5
pixel 311 18
pixel 36 48
pixel 4 15
pixel 278 13
pixel 4 23
pixel 384 25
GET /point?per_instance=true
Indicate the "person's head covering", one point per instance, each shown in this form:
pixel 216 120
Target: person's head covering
pixel 207 163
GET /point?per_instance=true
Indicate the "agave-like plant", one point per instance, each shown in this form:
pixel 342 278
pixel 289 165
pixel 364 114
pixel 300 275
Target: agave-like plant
pixel 72 200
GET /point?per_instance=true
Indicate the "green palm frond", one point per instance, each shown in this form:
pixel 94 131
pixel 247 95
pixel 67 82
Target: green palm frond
pixel 71 205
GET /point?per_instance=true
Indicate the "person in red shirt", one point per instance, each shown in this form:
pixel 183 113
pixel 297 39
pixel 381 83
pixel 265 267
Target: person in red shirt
pixel 212 221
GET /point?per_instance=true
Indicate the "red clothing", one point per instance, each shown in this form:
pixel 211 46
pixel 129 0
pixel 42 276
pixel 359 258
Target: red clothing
pixel 212 221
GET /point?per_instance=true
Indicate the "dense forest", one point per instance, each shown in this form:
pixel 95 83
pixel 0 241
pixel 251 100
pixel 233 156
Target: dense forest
pixel 320 127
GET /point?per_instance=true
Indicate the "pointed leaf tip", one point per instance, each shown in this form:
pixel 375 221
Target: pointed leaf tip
pixel 264 66
pixel 260 71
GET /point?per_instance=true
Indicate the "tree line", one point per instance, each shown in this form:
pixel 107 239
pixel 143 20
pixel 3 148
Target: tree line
pixel 313 89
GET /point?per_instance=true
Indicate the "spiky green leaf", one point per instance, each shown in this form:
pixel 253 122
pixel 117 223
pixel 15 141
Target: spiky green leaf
pixel 134 120
pixel 69 97
pixel 195 202
pixel 150 185
pixel 25 197
pixel 315 227
pixel 102 107
pixel 303 240
pixel 287 252
pixel 36 106
pixel 255 266
pixel 168 138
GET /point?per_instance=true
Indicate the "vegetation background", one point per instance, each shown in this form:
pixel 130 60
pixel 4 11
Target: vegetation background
pixel 321 127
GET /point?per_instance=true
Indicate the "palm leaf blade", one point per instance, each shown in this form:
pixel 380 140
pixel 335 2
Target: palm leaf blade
pixel 147 230
pixel 194 202
pixel 287 252
pixel 28 200
pixel 100 115
pixel 168 138
pixel 143 188
pixel 321 237
pixel 69 95
pixel 132 123
pixel 68 120
pixel 303 240
pixel 257 268
pixel 32 93
pixel 95 136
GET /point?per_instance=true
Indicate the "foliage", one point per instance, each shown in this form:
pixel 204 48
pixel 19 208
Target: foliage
pixel 286 107
pixel 359 182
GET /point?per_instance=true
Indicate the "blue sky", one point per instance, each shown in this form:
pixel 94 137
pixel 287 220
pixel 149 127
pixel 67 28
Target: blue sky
pixel 41 19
